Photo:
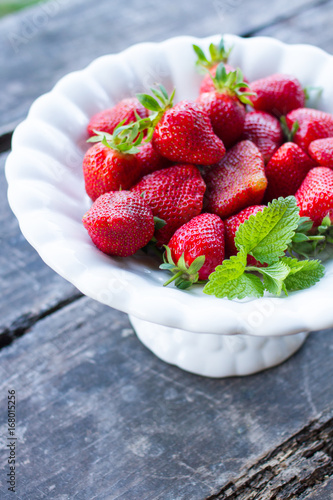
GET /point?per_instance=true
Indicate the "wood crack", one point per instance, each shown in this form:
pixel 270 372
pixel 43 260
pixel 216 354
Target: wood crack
pixel 282 18
pixel 293 468
pixel 5 141
pixel 24 322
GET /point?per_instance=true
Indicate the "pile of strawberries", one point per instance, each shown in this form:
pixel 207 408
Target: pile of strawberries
pixel 184 176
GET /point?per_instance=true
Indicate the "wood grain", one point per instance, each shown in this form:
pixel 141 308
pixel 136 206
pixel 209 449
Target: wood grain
pixel 29 289
pixel 41 44
pixel 100 417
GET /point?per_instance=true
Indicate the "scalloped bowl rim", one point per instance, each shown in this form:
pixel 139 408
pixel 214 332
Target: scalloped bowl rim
pixel 134 285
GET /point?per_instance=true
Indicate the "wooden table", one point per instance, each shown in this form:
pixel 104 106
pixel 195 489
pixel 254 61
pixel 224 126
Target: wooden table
pixel 98 416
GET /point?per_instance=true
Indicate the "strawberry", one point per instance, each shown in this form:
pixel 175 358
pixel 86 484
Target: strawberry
pixel 321 151
pixel 119 223
pixel 175 195
pixel 312 124
pixel 185 134
pixel 124 111
pixel 207 84
pixel 106 169
pixel 217 53
pixel 150 160
pixel 224 105
pixel 237 181
pixel 231 226
pixel 277 94
pixel 315 195
pixel 181 133
pixel 286 171
pixel 265 131
pixel 195 250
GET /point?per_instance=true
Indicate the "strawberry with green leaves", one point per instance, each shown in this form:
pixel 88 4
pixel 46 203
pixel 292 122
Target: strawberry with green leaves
pixel 286 171
pixel 194 251
pixel 125 111
pixel 236 182
pixel 119 223
pixel 174 194
pixel 321 151
pixel 225 105
pixel 277 94
pixel 265 131
pixel 315 195
pixel 217 54
pixel 181 133
pixel 111 164
pixel 311 124
pixel 265 237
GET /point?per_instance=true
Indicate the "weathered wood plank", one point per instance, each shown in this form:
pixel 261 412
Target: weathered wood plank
pixel 98 416
pixel 28 288
pixel 313 26
pixel 41 44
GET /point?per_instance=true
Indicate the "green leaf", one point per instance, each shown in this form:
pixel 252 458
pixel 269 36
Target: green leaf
pixel 267 234
pixel 246 285
pixel 159 223
pixel 228 280
pixel 200 53
pixel 196 265
pixel 303 274
pixel 148 102
pixel 274 276
pixel 299 238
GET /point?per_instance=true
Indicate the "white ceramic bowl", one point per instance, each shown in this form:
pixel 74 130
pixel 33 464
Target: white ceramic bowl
pixel 46 193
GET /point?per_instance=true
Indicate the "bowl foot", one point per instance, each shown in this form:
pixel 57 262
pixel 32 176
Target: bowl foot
pixel 214 355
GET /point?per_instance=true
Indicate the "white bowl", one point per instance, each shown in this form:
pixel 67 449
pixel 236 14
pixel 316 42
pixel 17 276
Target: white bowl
pixel 46 193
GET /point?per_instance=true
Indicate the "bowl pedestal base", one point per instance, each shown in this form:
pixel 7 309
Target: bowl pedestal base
pixel 214 355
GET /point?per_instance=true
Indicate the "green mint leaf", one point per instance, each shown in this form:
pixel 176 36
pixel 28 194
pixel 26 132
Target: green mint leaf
pixel 274 276
pixel 246 285
pixel 228 280
pixel 267 234
pixel 302 274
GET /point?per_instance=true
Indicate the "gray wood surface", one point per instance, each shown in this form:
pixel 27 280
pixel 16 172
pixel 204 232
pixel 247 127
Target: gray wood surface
pixel 100 417
pixel 42 44
pixel 28 288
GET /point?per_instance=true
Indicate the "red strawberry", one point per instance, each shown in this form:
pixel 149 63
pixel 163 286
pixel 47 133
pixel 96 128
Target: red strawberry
pixel 185 134
pixel 231 226
pixel 265 131
pixel 321 151
pixel 224 105
pixel 312 124
pixel 195 250
pixel 277 94
pixel 150 160
pixel 286 171
pixel 207 84
pixel 315 196
pixel 106 169
pixel 237 181
pixel 175 195
pixel 107 120
pixel 119 223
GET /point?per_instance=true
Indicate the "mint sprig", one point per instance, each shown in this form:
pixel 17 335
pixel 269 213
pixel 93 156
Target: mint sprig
pixel 266 237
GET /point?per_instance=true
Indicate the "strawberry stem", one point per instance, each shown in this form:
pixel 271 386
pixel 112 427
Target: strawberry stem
pixel 218 53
